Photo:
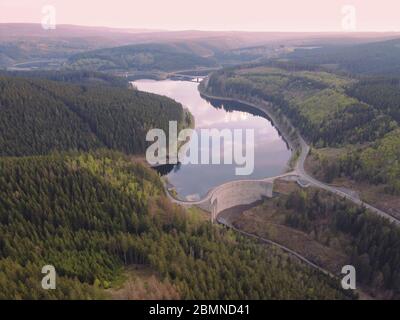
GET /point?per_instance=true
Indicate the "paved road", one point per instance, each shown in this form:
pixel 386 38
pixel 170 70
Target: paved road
pixel 303 175
pixel 299 169
pixel 300 172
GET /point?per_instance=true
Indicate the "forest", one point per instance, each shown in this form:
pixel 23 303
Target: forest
pixel 370 242
pixel 76 77
pixel 93 214
pixel 377 163
pixel 71 196
pixel 38 116
pixel 381 92
pixel 314 100
pixel 374 58
pixel 331 232
pixel 329 110
pixel 70 199
pixel 140 57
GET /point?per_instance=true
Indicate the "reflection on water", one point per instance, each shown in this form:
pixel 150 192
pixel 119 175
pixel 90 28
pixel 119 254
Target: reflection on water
pixel 192 181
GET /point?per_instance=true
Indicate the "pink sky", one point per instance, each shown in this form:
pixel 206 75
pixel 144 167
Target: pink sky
pixel 252 15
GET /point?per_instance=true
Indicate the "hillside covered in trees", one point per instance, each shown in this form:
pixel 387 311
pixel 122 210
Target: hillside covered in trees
pixel 329 110
pixel 315 101
pixel 371 243
pixel 374 58
pixel 378 161
pixel 38 116
pixel 92 214
pixel 380 92
pixel 81 77
pixel 331 232
pixel 141 57
pixel 68 199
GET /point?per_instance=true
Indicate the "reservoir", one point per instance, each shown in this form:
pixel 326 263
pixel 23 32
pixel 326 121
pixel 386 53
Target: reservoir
pixel 192 181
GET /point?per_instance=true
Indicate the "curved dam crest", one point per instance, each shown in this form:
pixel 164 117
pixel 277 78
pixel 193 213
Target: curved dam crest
pixel 236 193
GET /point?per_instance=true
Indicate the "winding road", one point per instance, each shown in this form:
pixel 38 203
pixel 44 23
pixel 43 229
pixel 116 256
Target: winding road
pixel 301 175
pixel 298 170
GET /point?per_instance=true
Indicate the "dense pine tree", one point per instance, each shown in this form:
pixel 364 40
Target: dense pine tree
pixel 92 214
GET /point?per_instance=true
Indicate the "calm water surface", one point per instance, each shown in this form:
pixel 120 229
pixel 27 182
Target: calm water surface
pixel 191 181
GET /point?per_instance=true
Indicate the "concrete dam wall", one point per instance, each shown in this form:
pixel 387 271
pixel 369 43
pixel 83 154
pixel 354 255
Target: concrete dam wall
pixel 237 193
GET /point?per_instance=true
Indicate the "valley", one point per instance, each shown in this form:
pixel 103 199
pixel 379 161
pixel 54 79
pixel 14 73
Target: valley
pixel 77 191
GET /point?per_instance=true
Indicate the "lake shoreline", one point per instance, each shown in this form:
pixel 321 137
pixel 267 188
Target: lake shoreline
pixel 238 105
pixel 269 114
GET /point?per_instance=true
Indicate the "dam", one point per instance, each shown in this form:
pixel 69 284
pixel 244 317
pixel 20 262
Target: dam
pixel 236 193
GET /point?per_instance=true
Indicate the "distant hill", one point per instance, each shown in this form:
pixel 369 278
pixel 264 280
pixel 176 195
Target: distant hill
pixel 28 42
pixel 376 58
pixel 23 42
pixel 75 77
pixel 141 57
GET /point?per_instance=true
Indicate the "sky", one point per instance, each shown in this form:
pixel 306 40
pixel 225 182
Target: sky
pixel 247 15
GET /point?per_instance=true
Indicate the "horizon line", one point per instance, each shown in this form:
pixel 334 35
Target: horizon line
pixel 150 29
